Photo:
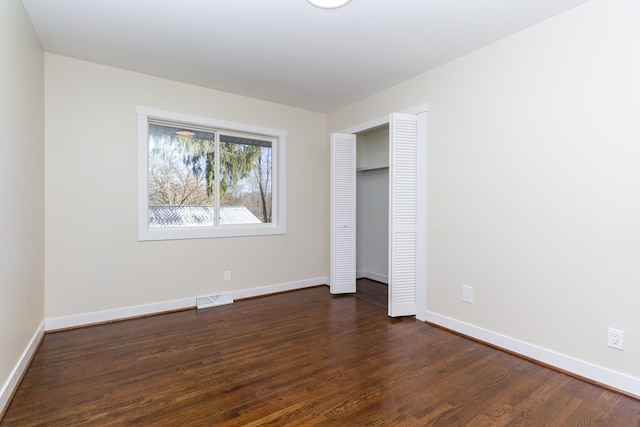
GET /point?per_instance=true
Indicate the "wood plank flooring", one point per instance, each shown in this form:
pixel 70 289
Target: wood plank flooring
pixel 299 358
pixel 372 291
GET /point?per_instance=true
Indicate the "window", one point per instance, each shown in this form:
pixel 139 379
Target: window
pixel 202 177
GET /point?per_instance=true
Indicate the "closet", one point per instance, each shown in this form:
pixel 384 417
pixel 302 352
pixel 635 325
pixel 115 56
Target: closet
pixel 372 204
pixel 389 167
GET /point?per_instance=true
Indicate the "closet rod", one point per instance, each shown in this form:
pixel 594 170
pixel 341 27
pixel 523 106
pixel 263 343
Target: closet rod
pixel 371 168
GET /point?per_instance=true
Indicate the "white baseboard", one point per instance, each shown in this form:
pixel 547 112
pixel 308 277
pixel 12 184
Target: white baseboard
pixel 10 386
pixel 283 287
pixel 372 276
pixel 86 319
pixel 590 371
pixel 117 314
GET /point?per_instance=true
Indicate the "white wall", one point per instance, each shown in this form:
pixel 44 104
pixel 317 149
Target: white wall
pixel 373 148
pixel 21 186
pixel 533 155
pixel 93 259
pixel 372 220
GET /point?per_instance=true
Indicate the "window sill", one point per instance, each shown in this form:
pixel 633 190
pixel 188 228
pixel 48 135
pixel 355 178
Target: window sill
pixel 183 233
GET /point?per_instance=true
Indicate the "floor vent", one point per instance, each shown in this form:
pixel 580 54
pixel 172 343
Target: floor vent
pixel 214 300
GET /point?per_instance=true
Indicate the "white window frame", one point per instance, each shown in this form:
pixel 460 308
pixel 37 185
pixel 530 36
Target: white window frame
pixel 278 185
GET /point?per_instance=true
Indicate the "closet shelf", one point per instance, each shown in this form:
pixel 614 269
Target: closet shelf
pixel 371 168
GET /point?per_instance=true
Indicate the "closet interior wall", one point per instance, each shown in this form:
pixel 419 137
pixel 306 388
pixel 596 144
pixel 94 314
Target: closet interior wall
pixel 372 202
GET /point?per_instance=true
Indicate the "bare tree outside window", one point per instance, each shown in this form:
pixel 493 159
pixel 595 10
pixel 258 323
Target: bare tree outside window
pixel 172 180
pixel 251 160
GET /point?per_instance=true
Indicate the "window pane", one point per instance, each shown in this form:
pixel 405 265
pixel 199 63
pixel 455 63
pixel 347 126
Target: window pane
pixel 181 177
pixel 245 180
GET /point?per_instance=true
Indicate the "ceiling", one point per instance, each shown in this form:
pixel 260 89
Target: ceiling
pixel 285 51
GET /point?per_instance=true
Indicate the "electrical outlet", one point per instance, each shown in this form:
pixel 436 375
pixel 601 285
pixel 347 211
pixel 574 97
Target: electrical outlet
pixel 614 338
pixel 467 294
pixel 227 275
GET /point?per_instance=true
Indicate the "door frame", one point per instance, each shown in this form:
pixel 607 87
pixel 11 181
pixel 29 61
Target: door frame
pixel 421 111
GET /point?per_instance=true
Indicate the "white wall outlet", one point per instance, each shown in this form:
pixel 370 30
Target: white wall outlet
pixel 467 294
pixel 614 338
pixel 227 275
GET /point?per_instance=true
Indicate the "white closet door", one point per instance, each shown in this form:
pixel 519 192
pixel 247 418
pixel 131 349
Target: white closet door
pixel 343 213
pixel 403 213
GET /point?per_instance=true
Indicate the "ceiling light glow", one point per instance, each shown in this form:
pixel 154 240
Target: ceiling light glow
pixel 186 133
pixel 328 4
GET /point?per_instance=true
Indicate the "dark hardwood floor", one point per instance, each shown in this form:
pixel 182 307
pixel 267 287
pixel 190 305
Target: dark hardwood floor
pixel 372 291
pixel 299 358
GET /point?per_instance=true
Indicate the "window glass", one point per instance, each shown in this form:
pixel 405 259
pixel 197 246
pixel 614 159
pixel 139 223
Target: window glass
pixel 245 180
pixel 181 171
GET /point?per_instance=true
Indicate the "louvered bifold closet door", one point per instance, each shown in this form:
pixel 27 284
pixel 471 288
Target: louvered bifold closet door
pixel 403 214
pixel 343 213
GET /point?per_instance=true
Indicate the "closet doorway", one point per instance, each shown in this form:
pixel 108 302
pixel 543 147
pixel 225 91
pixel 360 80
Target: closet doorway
pixel 406 206
pixel 372 213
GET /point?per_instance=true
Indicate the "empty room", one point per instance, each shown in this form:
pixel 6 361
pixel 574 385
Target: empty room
pixel 308 212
